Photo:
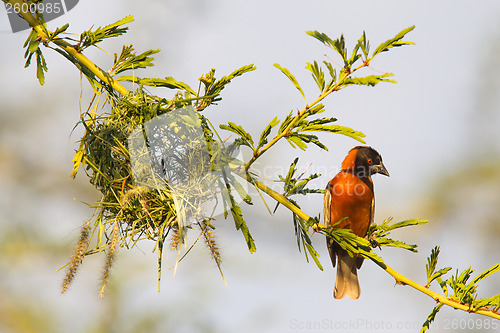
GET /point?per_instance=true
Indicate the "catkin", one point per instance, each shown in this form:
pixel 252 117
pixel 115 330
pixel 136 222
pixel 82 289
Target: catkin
pixel 77 257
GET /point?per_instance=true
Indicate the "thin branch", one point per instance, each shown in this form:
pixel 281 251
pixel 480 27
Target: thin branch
pixel 400 279
pixel 322 96
pixel 44 34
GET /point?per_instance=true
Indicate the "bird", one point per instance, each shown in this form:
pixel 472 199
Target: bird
pixel 349 198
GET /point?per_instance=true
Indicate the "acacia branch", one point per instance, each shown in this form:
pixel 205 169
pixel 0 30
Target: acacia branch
pixel 300 113
pixel 44 35
pixel 439 298
pixel 400 278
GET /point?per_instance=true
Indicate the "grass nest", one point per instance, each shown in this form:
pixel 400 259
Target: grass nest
pixel 141 187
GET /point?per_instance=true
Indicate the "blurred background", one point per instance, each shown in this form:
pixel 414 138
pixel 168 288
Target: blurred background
pixel 437 129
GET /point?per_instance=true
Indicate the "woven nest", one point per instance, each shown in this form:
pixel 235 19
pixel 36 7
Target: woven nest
pixel 144 169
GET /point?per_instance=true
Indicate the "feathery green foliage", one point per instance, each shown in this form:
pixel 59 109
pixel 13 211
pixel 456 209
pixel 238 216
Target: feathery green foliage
pixel 292 78
pixel 377 233
pixel 430 267
pixel 394 42
pixel 32 46
pixel 462 291
pixel 91 38
pixel 168 82
pixel 294 186
pixel 128 60
pixel 431 317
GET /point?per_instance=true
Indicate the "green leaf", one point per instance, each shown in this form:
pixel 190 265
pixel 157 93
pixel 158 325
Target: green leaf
pixel 265 133
pixel 313 254
pixel 438 274
pixel 31 37
pixel 58 31
pixel 303 239
pixel 130 61
pixel 339 46
pixel 237 129
pixel 240 71
pixel 213 88
pixel 168 82
pixel 394 42
pixel 318 108
pixel 242 225
pixel 405 223
pixel 323 38
pixel 90 38
pixel 291 78
pixel 465 275
pixel 301 140
pixel 241 192
pixel 492 301
pixel 486 273
pixel 354 56
pixel 317 75
pixel 296 142
pixel 382 241
pixel 239 222
pixel 32 45
pixel 443 285
pixel 293 186
pixel 217 87
pixel 431 263
pixel 431 317
pixel 289 175
pixel 318 126
pixel 370 80
pixel 463 292
pixel 41 67
pixel 353 244
pixel 364 45
pixel 286 122
pixel 333 75
pixel 430 267
pixel 300 186
pixel 77 160
pixel 378 234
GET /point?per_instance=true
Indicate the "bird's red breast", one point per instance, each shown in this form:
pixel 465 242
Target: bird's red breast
pixel 351 198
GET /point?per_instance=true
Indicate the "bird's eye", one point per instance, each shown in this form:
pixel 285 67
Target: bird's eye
pixel 370 161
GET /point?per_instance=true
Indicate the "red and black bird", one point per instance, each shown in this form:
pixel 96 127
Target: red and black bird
pixel 349 196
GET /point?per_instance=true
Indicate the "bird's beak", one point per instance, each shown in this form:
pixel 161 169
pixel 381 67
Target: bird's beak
pixel 380 168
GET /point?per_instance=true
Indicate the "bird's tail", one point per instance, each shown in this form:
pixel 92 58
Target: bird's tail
pixel 347 277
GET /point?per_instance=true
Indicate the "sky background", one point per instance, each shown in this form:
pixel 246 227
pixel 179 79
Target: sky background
pixel 436 130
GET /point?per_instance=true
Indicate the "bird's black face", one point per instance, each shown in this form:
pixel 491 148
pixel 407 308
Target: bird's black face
pixel 369 162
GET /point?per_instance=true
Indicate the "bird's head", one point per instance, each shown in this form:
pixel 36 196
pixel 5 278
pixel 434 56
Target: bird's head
pixel 364 161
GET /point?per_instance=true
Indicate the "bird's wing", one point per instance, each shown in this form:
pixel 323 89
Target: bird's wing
pixel 372 209
pixel 327 202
